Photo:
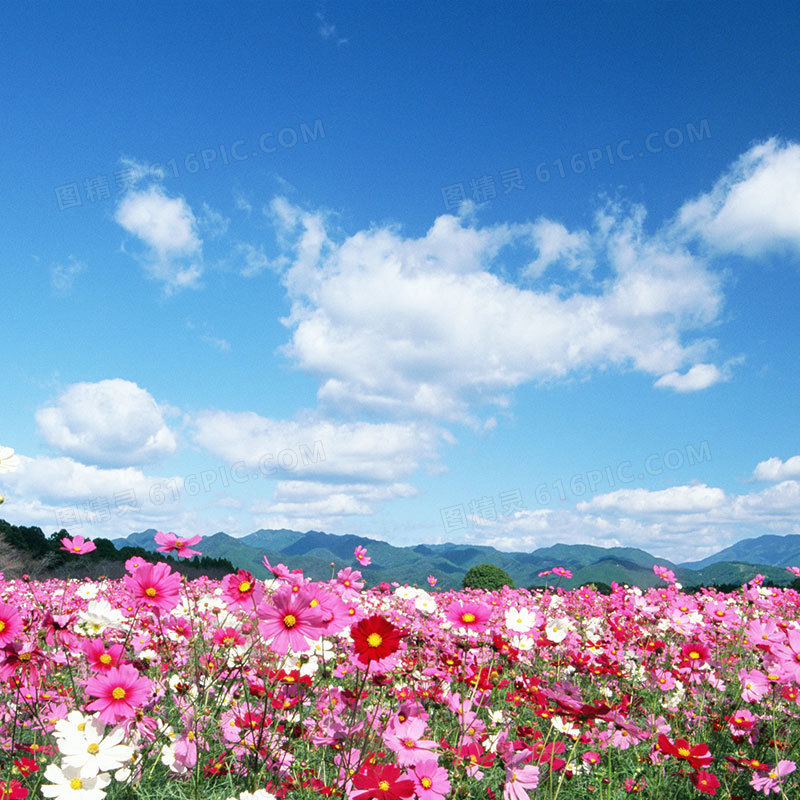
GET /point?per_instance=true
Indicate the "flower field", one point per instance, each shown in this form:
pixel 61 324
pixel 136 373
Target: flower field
pixel 156 687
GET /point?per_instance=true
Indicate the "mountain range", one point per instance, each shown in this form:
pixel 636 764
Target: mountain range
pixel 313 552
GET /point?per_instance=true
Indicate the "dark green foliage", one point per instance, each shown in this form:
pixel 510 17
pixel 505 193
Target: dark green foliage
pixel 43 556
pixel 488 577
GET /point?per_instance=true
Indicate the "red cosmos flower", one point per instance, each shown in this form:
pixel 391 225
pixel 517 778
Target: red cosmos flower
pixel 10 623
pixel 375 638
pixel 118 693
pixel 26 766
pixel 698 756
pixel 382 782
pixel 170 542
pixel 12 791
pixel 705 782
pixel 78 545
pixel 155 585
pixel 694 654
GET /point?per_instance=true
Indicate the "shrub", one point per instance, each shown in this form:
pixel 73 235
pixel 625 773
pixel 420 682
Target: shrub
pixel 487 576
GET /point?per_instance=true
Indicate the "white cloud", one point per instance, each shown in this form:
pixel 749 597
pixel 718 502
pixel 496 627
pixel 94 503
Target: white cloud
pixel 62 276
pixel 112 422
pixel 773 469
pixel 754 207
pixel 212 222
pixel 425 326
pixel 700 376
pixel 327 30
pixel 315 448
pixel 557 245
pixel 676 499
pixel 168 228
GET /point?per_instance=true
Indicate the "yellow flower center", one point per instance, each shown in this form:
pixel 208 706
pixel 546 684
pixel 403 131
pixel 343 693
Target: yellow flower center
pixel 694 654
pixel 244 586
pixel 383 786
pixel 290 620
pixel 118 693
pixel 426 782
pixel 468 617
pixel 150 591
pixel 82 726
pixel 410 743
pixel 374 640
pixel 684 752
pixel 76 784
pixel 93 749
pixel 105 658
pixel 2 626
pixel 25 656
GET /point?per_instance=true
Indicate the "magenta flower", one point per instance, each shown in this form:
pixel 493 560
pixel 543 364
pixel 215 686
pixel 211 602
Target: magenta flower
pixel 361 556
pixel 755 685
pixel 170 542
pixel 155 586
pixel 78 545
pixel 469 615
pixel 241 590
pixel 430 780
pixel 10 623
pixel 100 659
pixel 119 693
pixel 290 622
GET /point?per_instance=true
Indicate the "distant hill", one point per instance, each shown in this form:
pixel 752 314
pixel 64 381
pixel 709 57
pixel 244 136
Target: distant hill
pixel 777 551
pixel 313 552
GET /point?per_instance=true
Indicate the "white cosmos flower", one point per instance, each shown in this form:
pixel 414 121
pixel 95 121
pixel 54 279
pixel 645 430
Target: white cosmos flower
pixel 87 591
pixel 425 603
pixel 405 592
pixel 71 727
pixel 520 620
pixel 99 615
pixel 557 630
pixel 92 752
pixel 8 461
pixel 67 784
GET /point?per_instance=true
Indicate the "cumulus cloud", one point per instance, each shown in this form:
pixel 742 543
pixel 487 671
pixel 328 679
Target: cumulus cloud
pixel 169 230
pixel 754 208
pixel 112 422
pixel 318 448
pixel 398 325
pixel 773 469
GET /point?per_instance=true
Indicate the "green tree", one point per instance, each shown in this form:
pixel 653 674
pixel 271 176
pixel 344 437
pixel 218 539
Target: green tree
pixel 487 576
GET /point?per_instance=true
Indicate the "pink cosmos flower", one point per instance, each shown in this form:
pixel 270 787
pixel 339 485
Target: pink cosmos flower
pixel 755 685
pixel 78 545
pixel 405 739
pixel 432 581
pixel 519 777
pixel 430 780
pixel 290 622
pixel 350 580
pixel 470 615
pixel 10 623
pixel 794 571
pixel 100 659
pixel 228 637
pixel 119 693
pixel 241 590
pixel 134 562
pixel 562 572
pixel 170 542
pixel 771 781
pixel 361 556
pixel 665 574
pixel 155 586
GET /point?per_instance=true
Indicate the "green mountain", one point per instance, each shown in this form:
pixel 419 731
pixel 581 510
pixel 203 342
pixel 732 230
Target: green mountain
pixel 778 551
pixel 313 552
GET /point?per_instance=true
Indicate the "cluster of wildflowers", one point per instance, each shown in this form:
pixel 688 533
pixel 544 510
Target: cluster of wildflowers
pixel 287 688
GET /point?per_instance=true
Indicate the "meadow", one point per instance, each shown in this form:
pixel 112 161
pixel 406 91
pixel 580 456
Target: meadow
pixel 154 686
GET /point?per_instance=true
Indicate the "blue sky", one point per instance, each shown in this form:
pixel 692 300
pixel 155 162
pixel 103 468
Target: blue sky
pixel 515 275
